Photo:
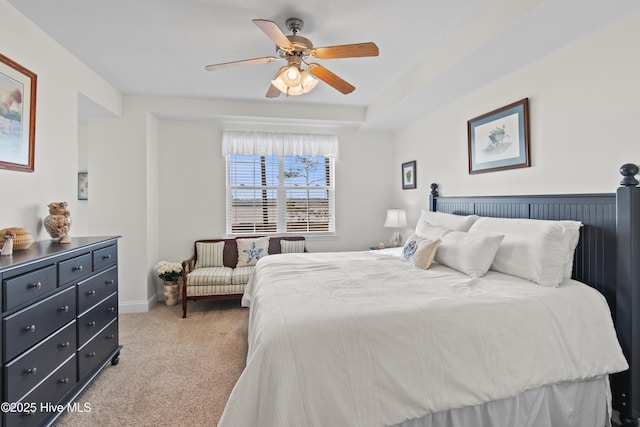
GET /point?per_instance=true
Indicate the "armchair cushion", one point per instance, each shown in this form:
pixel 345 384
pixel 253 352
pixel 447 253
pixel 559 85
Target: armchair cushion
pixel 210 276
pixel 240 275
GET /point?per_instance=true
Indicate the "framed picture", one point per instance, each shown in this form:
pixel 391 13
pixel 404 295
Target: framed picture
pixel 409 175
pixel 17 116
pixel 83 186
pixel 499 140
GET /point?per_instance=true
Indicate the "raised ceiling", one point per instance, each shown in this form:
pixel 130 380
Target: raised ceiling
pixel 429 49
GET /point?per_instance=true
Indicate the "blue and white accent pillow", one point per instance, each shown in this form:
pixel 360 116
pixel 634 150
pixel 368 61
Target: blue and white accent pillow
pixel 410 247
pixel 420 252
pixel 251 250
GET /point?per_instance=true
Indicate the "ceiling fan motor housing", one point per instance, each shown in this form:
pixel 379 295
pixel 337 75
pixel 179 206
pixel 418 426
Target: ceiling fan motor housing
pixel 294 25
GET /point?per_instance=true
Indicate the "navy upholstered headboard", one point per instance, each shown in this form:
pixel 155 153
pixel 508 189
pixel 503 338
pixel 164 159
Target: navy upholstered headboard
pixel 607 257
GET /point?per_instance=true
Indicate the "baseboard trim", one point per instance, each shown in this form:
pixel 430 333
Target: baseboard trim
pixel 135 306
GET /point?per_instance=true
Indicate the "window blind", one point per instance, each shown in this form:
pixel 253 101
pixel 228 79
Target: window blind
pixel 279 194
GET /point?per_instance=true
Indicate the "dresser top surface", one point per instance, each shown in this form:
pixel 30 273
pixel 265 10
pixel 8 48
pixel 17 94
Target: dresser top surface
pixel 48 248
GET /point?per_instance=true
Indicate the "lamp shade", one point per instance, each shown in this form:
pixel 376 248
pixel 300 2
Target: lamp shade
pixel 396 218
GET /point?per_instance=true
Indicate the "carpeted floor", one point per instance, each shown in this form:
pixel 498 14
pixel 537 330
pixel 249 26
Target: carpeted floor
pixel 172 371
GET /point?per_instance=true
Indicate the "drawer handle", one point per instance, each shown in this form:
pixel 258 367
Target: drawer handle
pixel 91 293
pixel 77 268
pixel 31 328
pixel 63 381
pixel 64 345
pixel 92 354
pixel 106 256
pixel 111 336
pixel 64 309
pixel 111 309
pixel 91 324
pixel 32 371
pixel 36 285
pixel 110 282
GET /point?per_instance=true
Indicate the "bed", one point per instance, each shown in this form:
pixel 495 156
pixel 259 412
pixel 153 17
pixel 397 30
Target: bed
pixel 358 339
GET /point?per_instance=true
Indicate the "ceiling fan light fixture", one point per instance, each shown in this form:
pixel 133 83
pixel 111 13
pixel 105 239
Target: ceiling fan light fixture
pixel 292 76
pixel 305 85
pixel 308 82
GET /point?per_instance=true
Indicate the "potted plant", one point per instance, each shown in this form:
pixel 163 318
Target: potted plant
pixel 170 272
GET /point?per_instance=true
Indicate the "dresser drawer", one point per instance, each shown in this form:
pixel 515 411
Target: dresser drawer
pixel 105 257
pixel 28 287
pixel 96 288
pixel 28 326
pixel 74 269
pixel 25 372
pixel 95 352
pixel 97 318
pixel 51 391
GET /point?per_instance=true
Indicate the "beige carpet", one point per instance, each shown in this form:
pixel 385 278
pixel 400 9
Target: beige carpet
pixel 172 371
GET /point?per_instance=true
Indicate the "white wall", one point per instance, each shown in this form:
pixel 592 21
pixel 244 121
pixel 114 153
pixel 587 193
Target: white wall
pixel 583 115
pixel 60 77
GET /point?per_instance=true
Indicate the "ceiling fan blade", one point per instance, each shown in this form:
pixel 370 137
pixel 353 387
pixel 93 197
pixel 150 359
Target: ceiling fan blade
pixel 273 91
pixel 231 64
pixel 356 50
pixel 331 79
pixel 274 32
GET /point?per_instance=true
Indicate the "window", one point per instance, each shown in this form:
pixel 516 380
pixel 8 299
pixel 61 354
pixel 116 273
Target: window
pixel 269 194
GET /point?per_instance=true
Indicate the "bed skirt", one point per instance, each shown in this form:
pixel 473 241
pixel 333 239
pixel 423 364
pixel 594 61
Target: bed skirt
pixel 584 403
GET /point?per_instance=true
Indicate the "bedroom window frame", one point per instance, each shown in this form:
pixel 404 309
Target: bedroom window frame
pixel 280 200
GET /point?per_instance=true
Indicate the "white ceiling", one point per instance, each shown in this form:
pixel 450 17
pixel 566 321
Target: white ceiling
pixel 430 50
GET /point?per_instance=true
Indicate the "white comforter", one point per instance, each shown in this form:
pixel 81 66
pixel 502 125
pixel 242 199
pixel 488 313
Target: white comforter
pixel 365 339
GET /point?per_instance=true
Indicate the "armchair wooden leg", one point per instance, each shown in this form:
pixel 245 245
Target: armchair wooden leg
pixel 184 301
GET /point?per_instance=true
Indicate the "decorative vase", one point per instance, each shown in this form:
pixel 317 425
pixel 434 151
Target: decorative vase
pixel 58 222
pixel 171 293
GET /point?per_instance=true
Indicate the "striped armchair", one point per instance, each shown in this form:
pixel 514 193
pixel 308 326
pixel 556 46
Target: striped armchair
pixel 216 271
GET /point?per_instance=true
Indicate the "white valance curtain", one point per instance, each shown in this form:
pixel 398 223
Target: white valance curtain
pixel 279 144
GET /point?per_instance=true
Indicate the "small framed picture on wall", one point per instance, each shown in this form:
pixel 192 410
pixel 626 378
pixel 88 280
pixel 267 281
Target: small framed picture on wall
pixel 409 175
pixel 83 186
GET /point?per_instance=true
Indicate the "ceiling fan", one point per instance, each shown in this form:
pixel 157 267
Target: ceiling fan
pixel 293 79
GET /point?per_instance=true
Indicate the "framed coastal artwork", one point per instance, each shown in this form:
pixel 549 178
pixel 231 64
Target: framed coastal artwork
pixel 409 175
pixel 17 116
pixel 499 139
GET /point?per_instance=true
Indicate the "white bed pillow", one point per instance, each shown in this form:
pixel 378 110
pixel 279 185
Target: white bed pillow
pixel 471 254
pixel 420 252
pixel 446 220
pixel 572 228
pixel 537 250
pixel 431 232
pixel 251 250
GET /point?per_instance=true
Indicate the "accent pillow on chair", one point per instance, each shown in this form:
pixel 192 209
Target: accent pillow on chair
pixel 251 250
pixel 292 246
pixel 209 254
